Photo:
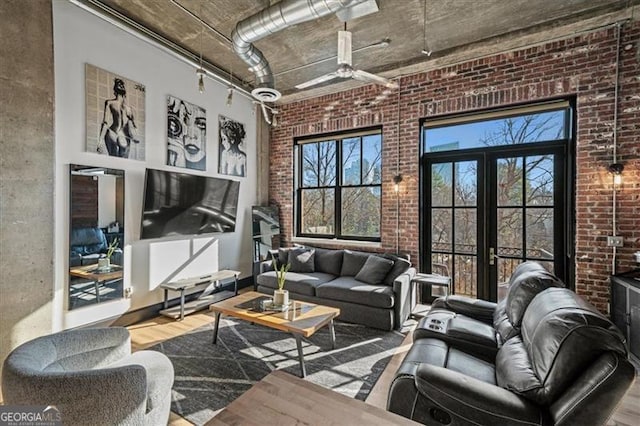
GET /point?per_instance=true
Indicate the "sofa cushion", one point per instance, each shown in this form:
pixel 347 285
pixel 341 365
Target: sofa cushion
pixel 296 283
pixel 329 261
pixel 348 289
pixel 440 354
pixel 374 270
pixel 400 266
pixel 352 262
pixel 302 260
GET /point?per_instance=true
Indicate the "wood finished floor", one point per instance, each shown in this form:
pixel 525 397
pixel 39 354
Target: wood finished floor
pixel 148 333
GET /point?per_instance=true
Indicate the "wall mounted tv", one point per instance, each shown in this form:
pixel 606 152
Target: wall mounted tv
pixel 184 204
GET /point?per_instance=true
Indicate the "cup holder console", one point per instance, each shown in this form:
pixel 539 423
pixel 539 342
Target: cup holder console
pixel 435 325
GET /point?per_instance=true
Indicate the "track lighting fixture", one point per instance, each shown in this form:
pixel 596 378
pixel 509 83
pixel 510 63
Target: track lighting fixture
pixel 425 46
pixel 229 96
pixel 201 73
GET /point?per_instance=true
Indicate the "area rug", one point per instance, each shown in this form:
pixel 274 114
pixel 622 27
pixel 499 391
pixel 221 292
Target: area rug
pixel 208 377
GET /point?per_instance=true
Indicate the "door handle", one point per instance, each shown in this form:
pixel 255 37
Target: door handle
pixel 492 256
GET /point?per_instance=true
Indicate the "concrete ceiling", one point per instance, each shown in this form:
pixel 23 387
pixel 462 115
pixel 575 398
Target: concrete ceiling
pixel 455 30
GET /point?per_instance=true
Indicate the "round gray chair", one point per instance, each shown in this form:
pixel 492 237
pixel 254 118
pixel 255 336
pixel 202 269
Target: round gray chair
pixel 91 377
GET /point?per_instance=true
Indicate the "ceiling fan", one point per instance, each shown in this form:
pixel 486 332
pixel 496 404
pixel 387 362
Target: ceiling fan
pixel 345 70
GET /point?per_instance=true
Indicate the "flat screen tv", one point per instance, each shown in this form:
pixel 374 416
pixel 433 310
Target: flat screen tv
pixel 184 204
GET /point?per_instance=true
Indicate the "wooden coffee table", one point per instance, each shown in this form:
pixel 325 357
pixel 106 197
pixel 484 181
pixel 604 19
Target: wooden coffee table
pixel 283 399
pixel 302 319
pixel 98 276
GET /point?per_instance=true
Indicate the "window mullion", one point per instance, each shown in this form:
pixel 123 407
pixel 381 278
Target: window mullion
pixel 338 189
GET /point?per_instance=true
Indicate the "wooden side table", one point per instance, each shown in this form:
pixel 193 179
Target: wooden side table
pixel 213 279
pixel 431 280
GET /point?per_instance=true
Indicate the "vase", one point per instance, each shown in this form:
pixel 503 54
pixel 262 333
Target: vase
pixel 280 297
pixel 104 263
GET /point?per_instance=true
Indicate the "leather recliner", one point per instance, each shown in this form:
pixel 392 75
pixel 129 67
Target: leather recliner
pixel 568 366
pixel 481 326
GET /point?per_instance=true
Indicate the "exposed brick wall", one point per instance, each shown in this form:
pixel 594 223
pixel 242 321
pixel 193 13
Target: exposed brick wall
pixel 582 67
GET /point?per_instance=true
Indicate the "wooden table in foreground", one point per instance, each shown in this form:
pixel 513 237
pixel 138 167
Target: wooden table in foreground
pixel 302 319
pixel 282 399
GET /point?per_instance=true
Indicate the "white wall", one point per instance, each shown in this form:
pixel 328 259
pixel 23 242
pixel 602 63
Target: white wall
pixel 79 38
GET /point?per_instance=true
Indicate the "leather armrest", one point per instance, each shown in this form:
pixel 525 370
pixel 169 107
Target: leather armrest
pixel 474 400
pixel 479 309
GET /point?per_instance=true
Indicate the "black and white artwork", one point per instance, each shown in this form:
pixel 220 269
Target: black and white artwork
pixel 232 154
pixel 186 134
pixel 115 114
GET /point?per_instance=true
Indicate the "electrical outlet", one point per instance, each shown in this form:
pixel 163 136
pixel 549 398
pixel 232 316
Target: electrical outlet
pixel 613 241
pixel 128 292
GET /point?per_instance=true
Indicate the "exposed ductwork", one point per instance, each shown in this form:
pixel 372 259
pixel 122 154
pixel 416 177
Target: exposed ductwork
pixel 275 18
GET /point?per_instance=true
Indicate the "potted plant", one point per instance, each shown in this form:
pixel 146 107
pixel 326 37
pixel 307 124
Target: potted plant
pixel 104 263
pixel 281 296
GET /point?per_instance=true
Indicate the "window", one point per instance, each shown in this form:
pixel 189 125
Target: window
pixel 338 192
pixel 496 192
pixel 533 124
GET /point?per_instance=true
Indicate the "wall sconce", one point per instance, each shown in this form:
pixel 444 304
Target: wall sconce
pixel 396 182
pixel 616 170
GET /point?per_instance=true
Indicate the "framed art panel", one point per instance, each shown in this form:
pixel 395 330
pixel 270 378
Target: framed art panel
pixel 232 158
pixel 186 134
pixel 115 114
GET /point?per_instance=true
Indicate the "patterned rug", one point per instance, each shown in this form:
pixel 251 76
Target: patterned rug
pixel 208 377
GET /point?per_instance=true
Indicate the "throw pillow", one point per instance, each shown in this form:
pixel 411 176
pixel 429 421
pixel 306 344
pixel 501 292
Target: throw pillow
pixel 352 262
pixel 283 256
pixel 329 261
pixel 302 260
pixel 400 266
pixel 273 255
pixel 374 270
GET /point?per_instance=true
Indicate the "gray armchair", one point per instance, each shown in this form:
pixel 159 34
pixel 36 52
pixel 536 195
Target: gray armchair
pixel 92 377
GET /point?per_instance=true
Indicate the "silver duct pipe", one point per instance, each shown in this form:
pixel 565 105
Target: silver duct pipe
pixel 271 20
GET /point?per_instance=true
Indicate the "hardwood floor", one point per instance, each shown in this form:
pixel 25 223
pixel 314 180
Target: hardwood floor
pixel 148 333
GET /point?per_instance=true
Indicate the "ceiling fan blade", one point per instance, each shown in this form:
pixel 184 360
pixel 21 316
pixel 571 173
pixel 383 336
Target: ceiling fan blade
pixel 344 47
pixel 317 80
pixel 372 78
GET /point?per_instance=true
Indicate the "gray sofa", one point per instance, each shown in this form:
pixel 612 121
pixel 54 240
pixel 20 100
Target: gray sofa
pixel 91 377
pixel 370 289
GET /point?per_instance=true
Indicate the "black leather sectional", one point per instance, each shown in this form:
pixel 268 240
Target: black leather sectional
pixel 542 356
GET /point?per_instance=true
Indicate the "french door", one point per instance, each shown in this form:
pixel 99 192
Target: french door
pixel 486 211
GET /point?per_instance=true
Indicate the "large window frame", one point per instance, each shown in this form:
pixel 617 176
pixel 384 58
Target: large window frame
pixel 340 184
pixel 563 146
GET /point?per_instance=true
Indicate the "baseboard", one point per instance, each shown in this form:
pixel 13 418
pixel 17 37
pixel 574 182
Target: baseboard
pixel 151 311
